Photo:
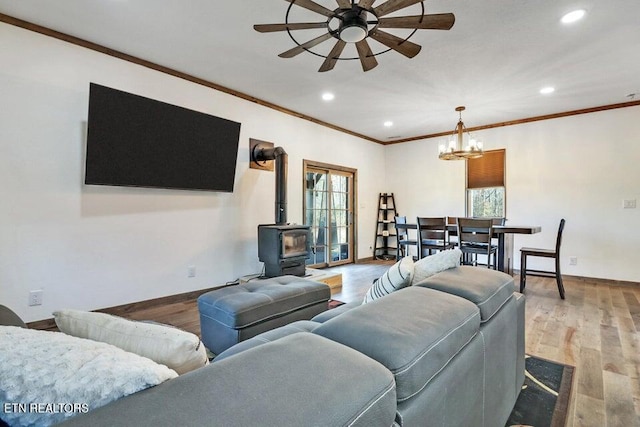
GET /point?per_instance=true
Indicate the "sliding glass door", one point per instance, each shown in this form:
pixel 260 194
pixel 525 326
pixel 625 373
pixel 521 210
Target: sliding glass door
pixel 329 202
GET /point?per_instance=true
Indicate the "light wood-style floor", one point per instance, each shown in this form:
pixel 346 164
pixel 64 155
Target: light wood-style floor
pixel 596 329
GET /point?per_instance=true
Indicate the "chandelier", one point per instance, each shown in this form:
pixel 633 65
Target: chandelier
pixel 456 150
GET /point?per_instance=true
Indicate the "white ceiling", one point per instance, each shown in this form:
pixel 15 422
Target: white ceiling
pixel 494 60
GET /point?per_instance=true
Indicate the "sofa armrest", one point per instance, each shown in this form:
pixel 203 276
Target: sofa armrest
pixel 9 318
pixel 520 308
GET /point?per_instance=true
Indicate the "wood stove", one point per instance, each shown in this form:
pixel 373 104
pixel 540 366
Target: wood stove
pixel 282 247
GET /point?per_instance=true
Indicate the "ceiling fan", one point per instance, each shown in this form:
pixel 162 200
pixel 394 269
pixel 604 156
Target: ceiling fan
pixel 354 22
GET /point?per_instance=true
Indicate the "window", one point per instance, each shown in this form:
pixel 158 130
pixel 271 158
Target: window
pixel 486 185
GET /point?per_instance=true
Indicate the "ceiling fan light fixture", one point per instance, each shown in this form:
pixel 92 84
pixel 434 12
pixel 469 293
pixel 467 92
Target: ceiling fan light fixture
pixel 352 33
pixel 353 28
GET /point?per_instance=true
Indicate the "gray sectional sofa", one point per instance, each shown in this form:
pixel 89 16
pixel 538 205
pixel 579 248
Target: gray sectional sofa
pixel 448 351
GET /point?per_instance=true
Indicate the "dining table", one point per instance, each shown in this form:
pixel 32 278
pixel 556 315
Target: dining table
pixel 504 234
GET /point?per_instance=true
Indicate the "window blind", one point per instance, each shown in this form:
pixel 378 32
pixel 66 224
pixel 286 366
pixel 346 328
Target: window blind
pixel 486 171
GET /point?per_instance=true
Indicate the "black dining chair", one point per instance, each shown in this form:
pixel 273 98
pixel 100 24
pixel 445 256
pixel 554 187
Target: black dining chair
pixel 432 235
pixel 474 238
pixel 453 220
pixel 545 253
pixel 496 221
pixel 403 243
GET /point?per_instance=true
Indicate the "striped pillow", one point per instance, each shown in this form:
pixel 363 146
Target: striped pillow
pixel 397 277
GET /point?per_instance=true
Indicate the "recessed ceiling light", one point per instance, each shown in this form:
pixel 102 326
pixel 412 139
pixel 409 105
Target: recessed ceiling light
pixel 573 16
pixel 388 124
pixel 328 96
pixel 547 90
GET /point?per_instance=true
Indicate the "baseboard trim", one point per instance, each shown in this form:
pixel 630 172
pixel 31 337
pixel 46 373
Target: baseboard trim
pixel 611 282
pixel 125 309
pixel 373 259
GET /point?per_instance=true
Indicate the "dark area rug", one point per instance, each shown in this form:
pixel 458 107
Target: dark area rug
pixel 333 303
pixel 544 399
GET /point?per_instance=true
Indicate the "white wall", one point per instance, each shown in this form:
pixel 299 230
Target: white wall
pixel 90 247
pixel 580 168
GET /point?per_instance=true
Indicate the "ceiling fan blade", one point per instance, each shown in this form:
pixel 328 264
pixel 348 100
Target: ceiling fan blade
pixel 367 59
pixel 437 21
pixel 333 56
pixel 299 49
pixel 344 4
pixel 312 6
pixel 366 4
pixel 398 44
pixel 392 5
pixel 269 28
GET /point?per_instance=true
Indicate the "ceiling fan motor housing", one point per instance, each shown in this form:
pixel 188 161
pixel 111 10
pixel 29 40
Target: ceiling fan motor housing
pixel 353 26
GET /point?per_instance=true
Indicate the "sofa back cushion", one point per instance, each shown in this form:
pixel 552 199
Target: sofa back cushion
pixel 488 289
pixel 414 332
pixel 298 380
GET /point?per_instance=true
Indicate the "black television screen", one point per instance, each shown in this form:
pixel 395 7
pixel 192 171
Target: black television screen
pixel 140 142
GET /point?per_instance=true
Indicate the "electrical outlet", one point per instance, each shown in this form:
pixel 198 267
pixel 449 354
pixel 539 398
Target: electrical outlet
pixel 629 204
pixel 191 271
pixel 573 260
pixel 35 297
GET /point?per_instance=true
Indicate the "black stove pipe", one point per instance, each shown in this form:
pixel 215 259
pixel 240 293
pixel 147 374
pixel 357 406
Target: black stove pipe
pixel 280 156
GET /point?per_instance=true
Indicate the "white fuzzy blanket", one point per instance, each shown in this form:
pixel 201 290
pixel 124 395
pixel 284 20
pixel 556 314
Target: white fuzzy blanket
pixel 49 376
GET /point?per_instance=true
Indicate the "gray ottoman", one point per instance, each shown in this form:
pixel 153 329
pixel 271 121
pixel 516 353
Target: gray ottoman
pixel 235 313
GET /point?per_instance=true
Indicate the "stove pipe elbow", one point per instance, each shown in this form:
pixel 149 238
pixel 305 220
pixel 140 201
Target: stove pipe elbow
pixel 281 159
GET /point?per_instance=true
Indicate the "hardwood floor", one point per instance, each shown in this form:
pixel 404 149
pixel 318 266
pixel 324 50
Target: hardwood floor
pixel 596 329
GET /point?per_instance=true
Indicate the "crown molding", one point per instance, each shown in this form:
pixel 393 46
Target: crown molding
pixel 179 74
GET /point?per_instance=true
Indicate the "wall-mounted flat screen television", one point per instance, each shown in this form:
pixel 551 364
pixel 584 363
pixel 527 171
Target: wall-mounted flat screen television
pixel 140 142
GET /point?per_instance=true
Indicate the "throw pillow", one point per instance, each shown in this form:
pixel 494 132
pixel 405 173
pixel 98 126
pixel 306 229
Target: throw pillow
pixel 397 277
pixel 432 264
pixel 179 350
pixel 48 377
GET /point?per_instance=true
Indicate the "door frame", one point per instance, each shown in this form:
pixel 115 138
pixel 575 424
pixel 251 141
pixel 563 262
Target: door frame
pixel 311 164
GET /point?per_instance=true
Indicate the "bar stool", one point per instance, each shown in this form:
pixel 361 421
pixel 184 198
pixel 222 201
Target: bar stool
pixel 545 253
